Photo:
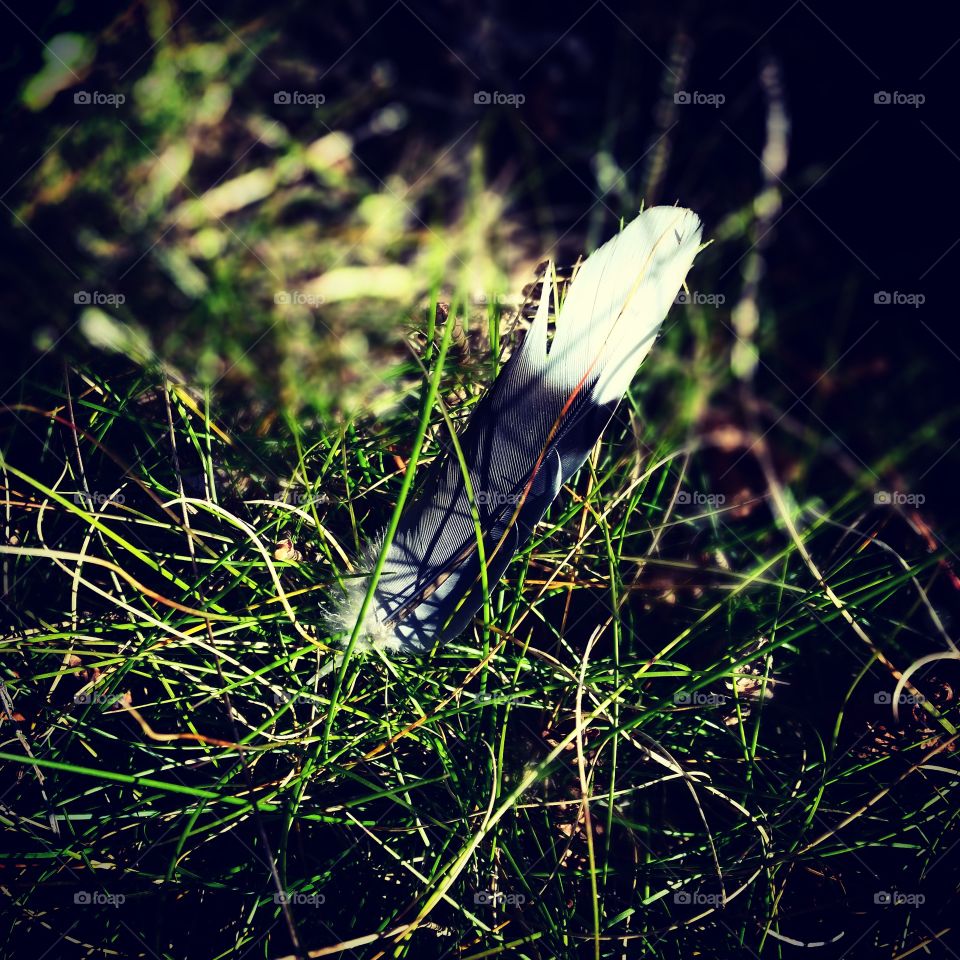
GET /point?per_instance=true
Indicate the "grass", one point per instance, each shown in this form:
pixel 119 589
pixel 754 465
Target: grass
pixel 671 732
pixel 665 708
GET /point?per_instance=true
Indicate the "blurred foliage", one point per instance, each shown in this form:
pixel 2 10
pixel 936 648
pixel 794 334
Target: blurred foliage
pixel 242 233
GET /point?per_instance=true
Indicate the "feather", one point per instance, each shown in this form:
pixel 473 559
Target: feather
pixel 528 436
